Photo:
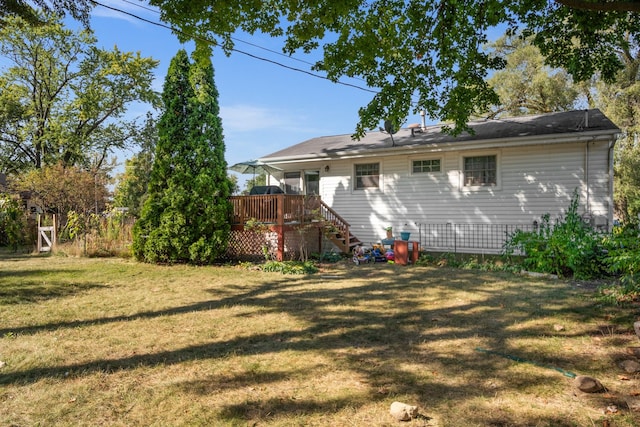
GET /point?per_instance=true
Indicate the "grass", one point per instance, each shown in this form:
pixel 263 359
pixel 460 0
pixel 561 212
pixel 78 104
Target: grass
pixel 89 342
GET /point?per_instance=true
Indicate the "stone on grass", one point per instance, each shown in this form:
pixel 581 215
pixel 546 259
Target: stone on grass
pixel 630 366
pixel 636 327
pixel 588 384
pixel 403 412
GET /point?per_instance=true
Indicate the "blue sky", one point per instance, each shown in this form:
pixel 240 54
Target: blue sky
pixel 264 107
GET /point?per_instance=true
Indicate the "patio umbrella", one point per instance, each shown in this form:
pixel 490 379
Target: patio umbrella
pixel 254 166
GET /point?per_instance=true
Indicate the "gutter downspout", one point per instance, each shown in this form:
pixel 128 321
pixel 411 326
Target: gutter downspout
pixel 586 178
pixel 586 165
pixel 612 144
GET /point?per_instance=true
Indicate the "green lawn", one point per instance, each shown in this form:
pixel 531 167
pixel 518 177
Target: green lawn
pixel 116 343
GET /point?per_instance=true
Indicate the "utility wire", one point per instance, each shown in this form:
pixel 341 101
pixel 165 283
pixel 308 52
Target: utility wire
pixel 215 43
pixel 275 52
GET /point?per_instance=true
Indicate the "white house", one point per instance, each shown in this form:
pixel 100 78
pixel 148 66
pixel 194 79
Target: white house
pixel 508 172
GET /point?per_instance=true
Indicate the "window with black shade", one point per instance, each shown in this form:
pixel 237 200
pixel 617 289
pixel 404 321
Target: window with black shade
pixel 425 166
pixel 480 171
pixel 367 175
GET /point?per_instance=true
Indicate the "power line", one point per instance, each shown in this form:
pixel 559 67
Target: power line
pixel 275 52
pixel 215 43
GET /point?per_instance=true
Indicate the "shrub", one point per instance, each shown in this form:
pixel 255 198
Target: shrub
pixel 13 223
pixel 567 248
pixel 623 259
pixel 290 267
pixel 623 247
pixel 96 235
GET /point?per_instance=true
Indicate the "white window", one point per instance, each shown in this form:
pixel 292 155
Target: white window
pixel 367 175
pixel 426 166
pixel 480 171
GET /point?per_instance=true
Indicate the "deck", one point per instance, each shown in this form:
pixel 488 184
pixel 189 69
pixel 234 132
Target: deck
pixel 275 209
pixel 281 213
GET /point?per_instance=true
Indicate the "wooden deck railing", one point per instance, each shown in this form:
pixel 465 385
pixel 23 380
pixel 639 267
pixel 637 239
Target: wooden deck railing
pixel 277 209
pixel 291 209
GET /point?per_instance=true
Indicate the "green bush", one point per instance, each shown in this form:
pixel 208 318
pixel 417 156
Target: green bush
pixel 623 260
pixel 623 250
pixel 625 291
pixel 327 256
pixel 13 223
pixel 290 267
pixel 568 248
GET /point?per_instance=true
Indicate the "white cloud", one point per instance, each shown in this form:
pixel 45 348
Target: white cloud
pixel 119 9
pixel 249 118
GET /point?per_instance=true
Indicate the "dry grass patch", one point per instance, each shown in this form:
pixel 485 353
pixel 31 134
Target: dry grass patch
pixel 113 342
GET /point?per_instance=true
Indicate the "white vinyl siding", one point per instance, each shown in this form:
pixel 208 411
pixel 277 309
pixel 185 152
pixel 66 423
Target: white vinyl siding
pixel 532 180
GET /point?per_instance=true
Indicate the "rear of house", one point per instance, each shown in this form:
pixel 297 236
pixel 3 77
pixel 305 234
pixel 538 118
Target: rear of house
pixel 504 174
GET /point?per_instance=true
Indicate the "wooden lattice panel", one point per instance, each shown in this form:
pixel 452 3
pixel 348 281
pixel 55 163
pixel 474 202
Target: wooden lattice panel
pixel 246 245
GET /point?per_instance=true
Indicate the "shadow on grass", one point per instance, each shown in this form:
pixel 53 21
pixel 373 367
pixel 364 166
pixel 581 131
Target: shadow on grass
pixel 374 328
pixel 173 311
pixel 28 286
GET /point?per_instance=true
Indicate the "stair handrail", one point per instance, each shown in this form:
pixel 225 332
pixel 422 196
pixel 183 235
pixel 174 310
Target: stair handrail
pixel 333 219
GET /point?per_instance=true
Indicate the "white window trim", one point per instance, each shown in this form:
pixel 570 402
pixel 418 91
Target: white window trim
pixel 478 188
pixel 355 190
pixel 415 158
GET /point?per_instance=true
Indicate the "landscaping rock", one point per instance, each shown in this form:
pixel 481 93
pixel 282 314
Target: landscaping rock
pixel 588 384
pixel 636 327
pixel 630 366
pixel 403 412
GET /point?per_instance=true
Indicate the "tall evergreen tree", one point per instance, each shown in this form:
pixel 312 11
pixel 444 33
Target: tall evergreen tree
pixel 185 215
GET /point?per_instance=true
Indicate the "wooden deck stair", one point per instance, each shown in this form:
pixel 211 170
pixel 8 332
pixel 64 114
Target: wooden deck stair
pixel 289 211
pixel 337 229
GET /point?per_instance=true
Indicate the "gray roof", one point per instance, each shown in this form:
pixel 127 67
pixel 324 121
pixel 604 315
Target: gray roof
pixel 508 129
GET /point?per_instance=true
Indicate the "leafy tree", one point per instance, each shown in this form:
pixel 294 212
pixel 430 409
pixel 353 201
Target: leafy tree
pixel 185 217
pixel 526 85
pixel 132 185
pixel 260 179
pixel 620 100
pixel 59 189
pixel 26 10
pixel 233 181
pixel 13 222
pixel 627 178
pixel 64 100
pixel 420 54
